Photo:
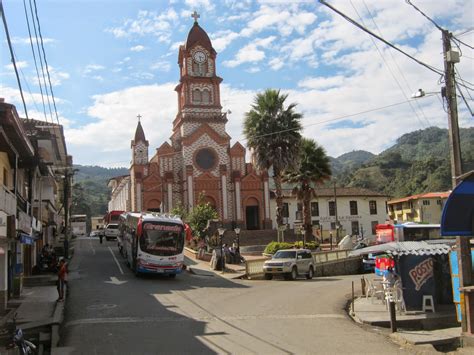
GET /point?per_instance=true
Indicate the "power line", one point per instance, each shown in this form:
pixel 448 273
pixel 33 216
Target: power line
pixel 388 67
pixel 41 64
pixel 34 57
pixel 437 71
pixel 46 62
pixel 13 57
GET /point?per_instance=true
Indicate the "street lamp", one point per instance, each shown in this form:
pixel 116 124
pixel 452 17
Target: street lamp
pixel 221 232
pixel 237 234
pixel 421 93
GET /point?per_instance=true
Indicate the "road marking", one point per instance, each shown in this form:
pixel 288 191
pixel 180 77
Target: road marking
pixel 194 319
pixel 115 281
pixel 90 244
pixel 120 268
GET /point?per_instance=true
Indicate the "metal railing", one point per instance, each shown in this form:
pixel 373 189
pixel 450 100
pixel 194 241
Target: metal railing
pixel 7 201
pixel 255 267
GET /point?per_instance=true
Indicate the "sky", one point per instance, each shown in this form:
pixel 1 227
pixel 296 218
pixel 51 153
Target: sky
pixel 111 60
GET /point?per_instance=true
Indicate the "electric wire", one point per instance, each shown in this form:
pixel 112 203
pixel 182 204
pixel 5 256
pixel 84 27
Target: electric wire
pixel 41 64
pixel 347 18
pixel 34 58
pixel 13 57
pixel 460 76
pixel 46 62
pixel 465 32
pixel 464 99
pixel 26 84
pixel 388 66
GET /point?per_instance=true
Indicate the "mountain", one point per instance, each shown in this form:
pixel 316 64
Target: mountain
pixel 90 191
pixel 418 162
pixel 347 162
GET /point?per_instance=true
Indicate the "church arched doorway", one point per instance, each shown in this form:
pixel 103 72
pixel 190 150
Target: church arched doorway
pixel 153 206
pixel 252 214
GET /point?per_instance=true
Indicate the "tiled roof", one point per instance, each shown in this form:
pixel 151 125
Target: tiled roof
pixel 340 192
pixel 421 196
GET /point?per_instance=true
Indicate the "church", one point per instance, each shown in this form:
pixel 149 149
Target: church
pixel 198 163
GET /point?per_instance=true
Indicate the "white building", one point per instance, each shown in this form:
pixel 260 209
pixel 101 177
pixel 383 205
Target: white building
pixel 357 211
pixel 120 196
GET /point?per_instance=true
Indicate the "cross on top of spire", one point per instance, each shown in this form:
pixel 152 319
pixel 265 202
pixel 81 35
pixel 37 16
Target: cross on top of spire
pixel 139 116
pixel 195 16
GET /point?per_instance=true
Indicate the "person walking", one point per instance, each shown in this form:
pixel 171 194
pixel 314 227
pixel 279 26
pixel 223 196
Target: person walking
pixel 62 279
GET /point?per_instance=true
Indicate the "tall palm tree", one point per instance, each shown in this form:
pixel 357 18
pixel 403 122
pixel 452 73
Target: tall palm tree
pixel 273 135
pixel 314 168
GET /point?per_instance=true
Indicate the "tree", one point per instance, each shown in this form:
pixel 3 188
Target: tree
pixel 273 136
pixel 314 168
pixel 199 216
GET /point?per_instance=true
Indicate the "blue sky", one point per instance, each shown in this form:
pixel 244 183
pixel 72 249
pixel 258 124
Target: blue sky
pixel 111 60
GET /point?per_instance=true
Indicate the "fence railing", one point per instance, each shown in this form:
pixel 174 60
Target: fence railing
pixel 7 201
pixel 255 267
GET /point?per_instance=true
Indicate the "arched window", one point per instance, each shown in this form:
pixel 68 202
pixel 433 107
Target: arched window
pixel 197 96
pixel 206 97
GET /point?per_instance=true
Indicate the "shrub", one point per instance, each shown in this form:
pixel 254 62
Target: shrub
pixel 273 247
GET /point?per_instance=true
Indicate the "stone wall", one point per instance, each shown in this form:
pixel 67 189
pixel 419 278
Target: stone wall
pixel 349 266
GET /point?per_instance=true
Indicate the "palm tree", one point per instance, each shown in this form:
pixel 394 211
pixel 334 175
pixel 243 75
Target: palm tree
pixel 273 135
pixel 314 168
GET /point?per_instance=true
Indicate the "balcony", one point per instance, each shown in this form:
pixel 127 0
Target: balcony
pixel 7 201
pixel 24 222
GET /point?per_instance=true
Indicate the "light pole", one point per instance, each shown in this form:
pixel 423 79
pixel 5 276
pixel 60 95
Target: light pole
pixel 237 234
pixel 221 232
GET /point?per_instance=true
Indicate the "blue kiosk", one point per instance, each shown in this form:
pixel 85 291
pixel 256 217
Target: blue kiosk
pixel 458 220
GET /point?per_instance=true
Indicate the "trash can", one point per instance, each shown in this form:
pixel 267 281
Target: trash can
pixel 417 274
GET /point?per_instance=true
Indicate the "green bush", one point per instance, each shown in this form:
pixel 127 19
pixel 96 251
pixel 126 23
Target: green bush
pixel 273 247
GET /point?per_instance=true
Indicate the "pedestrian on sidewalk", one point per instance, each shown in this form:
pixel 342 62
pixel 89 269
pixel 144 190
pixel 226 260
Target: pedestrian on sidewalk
pixel 62 279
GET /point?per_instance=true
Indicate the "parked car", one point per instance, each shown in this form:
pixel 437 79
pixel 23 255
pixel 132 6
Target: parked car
pixel 111 231
pixel 290 263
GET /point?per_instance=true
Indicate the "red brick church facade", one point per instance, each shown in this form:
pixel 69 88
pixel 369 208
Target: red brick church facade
pixel 198 160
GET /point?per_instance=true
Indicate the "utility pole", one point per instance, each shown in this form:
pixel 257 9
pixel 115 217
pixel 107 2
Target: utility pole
pixel 451 57
pixel 66 212
pixel 462 243
pixel 335 210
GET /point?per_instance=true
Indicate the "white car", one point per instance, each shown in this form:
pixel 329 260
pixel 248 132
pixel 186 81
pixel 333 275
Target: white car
pixel 111 231
pixel 290 263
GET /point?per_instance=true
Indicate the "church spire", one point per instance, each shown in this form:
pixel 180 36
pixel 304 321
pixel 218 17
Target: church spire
pixel 139 133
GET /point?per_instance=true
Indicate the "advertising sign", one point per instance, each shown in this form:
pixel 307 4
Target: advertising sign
pixel 417 275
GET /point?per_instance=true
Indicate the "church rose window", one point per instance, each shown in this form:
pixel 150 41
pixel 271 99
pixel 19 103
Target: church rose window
pixel 206 159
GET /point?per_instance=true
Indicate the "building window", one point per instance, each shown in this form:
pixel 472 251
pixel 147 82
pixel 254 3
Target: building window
pixel 373 207
pixel 206 97
pixel 353 207
pixel 426 202
pixel 197 96
pixel 373 224
pixel 332 208
pixel 355 227
pixel 285 210
pixel 299 211
pixel 439 202
pixel 315 223
pixel 314 209
pixel 333 226
pixel 5 177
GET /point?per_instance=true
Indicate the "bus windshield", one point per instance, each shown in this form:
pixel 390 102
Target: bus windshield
pixel 162 239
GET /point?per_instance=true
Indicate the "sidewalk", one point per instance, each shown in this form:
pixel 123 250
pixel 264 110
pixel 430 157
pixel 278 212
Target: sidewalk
pixel 414 327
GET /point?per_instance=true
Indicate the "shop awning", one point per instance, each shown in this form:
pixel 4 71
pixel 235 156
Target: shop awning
pixel 458 211
pixel 405 248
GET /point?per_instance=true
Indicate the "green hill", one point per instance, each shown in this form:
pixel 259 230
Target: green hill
pixel 418 162
pixel 90 192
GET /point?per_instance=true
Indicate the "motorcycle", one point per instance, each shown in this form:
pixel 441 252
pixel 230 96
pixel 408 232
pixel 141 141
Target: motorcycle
pixel 18 340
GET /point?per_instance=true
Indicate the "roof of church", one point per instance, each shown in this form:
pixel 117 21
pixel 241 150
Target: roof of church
pixel 198 35
pixel 139 134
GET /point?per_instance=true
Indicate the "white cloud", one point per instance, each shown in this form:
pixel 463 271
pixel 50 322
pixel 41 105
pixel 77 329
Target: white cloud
pixel 138 48
pixel 90 68
pixel 222 39
pixel 26 40
pixel 147 23
pixel 250 53
pixel 199 4
pixel 276 63
pixel 20 65
pixel 322 82
pixel 161 66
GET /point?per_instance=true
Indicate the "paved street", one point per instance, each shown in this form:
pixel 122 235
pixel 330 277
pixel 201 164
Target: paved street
pixel 205 314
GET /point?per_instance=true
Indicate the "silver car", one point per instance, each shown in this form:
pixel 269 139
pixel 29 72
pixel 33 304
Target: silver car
pixel 290 263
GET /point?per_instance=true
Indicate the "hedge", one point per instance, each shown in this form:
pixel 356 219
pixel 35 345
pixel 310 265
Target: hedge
pixel 273 247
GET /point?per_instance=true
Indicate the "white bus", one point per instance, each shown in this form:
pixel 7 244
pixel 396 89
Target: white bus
pixel 152 242
pixel 78 224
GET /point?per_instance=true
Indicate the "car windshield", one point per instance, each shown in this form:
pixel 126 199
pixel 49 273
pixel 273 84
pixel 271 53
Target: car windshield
pixel 112 226
pixel 285 254
pixel 162 239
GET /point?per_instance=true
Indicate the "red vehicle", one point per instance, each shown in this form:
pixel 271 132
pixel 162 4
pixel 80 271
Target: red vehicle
pixel 385 233
pixel 112 217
